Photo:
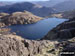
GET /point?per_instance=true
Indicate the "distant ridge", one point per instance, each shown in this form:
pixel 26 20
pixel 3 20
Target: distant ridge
pixel 33 8
pixel 4 3
pixel 66 14
pixel 50 3
pixel 65 6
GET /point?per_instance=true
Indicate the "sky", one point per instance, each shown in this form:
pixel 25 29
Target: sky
pixel 24 0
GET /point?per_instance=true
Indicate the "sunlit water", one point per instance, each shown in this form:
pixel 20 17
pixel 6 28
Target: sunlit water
pixel 36 30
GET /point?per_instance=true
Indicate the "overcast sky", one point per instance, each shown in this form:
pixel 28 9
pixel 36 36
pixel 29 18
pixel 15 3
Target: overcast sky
pixel 24 0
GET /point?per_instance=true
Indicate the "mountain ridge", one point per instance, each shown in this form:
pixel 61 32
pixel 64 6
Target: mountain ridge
pixel 49 3
pixel 33 8
pixel 65 6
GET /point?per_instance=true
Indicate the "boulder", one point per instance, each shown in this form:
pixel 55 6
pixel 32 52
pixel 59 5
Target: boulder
pixel 2 24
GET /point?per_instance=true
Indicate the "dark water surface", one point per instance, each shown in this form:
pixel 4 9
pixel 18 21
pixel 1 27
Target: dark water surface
pixel 36 30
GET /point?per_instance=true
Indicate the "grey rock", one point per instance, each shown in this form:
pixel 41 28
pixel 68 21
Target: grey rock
pixel 12 45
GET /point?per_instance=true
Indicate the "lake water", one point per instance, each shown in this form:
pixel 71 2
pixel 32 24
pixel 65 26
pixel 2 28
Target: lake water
pixel 36 30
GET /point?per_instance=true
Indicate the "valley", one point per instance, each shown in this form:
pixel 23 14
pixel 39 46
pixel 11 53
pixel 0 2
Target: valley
pixel 37 28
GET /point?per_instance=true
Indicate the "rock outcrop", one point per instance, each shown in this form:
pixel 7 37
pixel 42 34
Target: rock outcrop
pixel 2 24
pixel 65 30
pixel 12 45
pixel 65 48
pixel 3 14
pixel 20 18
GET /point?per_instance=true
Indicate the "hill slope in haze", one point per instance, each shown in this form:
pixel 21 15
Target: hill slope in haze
pixel 50 3
pixel 65 6
pixel 33 8
pixel 66 14
pixel 4 3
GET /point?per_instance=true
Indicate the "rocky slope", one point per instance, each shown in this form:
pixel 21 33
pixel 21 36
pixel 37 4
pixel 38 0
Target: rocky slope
pixel 12 45
pixel 3 14
pixel 20 18
pixel 65 30
pixel 65 47
pixel 65 35
pixel 2 24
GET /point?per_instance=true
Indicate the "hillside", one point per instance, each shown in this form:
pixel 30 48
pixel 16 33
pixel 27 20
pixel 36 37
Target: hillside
pixel 33 8
pixel 50 3
pixel 20 18
pixel 65 34
pixel 13 45
pixel 4 3
pixel 65 6
pixel 3 14
pixel 65 31
pixel 66 14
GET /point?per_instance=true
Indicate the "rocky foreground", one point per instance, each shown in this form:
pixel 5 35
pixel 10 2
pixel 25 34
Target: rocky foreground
pixel 19 18
pixel 12 45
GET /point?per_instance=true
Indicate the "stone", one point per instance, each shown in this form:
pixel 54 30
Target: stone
pixel 13 45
